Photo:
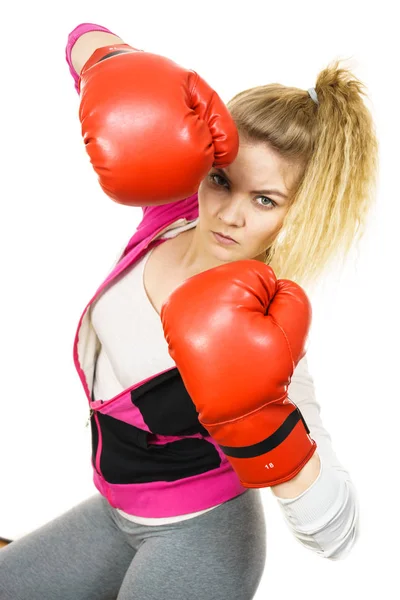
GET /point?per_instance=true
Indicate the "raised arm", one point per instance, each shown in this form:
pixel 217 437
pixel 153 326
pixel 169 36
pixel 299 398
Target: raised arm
pixel 82 42
pixel 87 43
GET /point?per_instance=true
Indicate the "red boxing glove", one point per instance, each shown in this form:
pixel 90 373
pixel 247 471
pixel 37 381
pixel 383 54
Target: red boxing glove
pixel 236 334
pixel 152 129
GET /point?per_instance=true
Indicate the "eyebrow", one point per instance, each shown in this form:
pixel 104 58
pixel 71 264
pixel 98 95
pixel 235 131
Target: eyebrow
pixel 270 191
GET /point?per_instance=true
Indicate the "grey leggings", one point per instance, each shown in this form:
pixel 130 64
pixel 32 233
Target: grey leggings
pixel 93 553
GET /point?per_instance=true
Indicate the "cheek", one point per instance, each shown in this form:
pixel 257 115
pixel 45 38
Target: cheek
pixel 265 228
pixel 208 201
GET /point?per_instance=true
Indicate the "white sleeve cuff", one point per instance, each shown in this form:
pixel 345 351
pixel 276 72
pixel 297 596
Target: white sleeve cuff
pixel 313 508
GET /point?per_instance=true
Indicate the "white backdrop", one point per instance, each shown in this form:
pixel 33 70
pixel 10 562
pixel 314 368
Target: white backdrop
pixel 60 235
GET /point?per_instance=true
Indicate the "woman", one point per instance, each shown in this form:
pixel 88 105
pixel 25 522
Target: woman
pixel 172 517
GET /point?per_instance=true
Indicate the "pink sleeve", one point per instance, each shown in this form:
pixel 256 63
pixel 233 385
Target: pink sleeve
pixel 73 36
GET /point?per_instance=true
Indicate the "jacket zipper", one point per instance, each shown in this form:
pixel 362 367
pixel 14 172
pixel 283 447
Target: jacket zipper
pixel 99 440
pixel 99 445
pixel 90 416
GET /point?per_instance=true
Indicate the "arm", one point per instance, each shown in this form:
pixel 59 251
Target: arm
pixel 310 472
pixel 236 360
pixel 324 517
pixel 302 481
pixel 82 42
pixel 87 43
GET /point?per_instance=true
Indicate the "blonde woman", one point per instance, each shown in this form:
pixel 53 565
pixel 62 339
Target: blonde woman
pixel 178 511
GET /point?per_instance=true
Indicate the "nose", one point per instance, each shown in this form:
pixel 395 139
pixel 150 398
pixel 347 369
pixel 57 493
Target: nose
pixel 232 212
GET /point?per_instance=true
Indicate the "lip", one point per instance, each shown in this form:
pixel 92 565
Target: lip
pixel 222 239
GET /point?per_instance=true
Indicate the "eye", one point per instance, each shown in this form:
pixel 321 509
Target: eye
pixel 213 178
pixel 271 204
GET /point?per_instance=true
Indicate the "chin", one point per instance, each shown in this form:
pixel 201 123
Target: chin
pixel 227 256
pixel 221 255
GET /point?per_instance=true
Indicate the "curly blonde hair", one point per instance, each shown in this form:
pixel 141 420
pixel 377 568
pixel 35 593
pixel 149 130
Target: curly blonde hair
pixel 335 143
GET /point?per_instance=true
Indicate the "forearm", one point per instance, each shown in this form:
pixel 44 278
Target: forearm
pixel 87 43
pixel 301 482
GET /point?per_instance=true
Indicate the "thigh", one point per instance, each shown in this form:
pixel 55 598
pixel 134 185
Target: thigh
pixel 220 554
pixel 80 555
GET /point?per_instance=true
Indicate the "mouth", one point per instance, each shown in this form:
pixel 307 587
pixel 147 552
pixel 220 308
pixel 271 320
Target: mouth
pixel 221 237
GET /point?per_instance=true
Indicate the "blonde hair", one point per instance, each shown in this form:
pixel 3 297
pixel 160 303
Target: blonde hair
pixel 335 143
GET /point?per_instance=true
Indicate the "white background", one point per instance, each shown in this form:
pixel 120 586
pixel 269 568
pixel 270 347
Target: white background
pixel 60 235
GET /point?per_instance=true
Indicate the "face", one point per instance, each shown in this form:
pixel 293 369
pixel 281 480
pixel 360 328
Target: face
pixel 247 201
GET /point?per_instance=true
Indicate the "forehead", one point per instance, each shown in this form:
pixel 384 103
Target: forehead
pixel 258 166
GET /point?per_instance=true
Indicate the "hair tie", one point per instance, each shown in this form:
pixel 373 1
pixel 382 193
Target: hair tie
pixel 313 95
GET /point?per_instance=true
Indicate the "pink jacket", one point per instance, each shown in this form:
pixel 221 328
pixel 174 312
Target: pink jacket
pixel 150 455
